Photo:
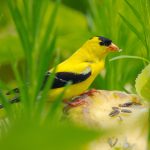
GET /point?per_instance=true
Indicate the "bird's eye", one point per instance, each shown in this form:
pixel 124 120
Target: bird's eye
pixel 101 43
pixel 104 41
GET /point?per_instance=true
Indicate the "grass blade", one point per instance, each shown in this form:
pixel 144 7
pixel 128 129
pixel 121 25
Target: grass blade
pixel 5 103
pixel 46 90
pixel 132 28
pixel 45 58
pixel 20 26
pixel 56 105
pixel 50 26
pixel 135 12
pixel 129 57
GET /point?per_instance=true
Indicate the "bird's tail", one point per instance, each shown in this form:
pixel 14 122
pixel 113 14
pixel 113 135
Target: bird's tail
pixel 13 100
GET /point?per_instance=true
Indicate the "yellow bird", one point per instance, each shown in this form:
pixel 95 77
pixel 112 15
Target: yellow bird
pixel 81 68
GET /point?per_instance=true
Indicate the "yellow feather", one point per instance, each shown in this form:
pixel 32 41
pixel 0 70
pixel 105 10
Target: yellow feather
pixel 90 55
pixel 78 88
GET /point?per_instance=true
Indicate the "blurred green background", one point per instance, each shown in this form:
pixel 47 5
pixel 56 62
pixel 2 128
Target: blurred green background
pixel 32 36
pixel 78 21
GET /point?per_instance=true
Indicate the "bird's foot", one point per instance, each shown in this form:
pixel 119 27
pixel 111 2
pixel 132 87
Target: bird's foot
pixel 76 101
pixel 79 100
pixel 89 92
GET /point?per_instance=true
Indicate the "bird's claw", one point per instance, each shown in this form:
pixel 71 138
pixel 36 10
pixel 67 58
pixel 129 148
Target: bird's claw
pixel 89 92
pixel 79 100
pixel 76 101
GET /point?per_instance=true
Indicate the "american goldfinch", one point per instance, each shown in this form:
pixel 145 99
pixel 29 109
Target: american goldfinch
pixel 81 68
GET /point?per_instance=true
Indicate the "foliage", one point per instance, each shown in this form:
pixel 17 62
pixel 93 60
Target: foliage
pixel 142 83
pixel 29 32
pixel 123 26
pixel 36 126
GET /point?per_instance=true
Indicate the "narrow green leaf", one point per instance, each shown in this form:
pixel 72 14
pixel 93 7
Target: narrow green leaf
pixel 6 104
pixel 24 96
pixel 56 105
pixel 135 12
pixel 129 57
pixel 37 12
pixel 44 62
pixel 46 90
pixel 133 29
pixel 20 26
pixel 50 26
pixel 143 83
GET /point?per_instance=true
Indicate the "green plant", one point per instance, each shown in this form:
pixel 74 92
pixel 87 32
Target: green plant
pixel 38 32
pixel 127 23
pixel 34 121
pixel 108 18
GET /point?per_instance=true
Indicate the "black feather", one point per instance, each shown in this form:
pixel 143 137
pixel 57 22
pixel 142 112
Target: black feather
pixel 12 101
pixel 62 78
pixel 104 41
pixel 13 91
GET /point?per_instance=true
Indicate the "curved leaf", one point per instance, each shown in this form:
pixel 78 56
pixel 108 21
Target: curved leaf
pixel 143 83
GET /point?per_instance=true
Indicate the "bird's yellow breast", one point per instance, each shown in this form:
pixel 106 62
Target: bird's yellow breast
pixel 77 89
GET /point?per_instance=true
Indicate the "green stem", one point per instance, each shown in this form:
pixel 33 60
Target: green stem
pixel 129 57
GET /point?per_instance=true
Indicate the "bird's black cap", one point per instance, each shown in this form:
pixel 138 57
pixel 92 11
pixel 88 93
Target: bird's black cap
pixel 104 41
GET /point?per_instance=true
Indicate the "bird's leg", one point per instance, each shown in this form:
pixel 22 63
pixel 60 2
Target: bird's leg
pixel 76 101
pixel 79 100
pixel 89 92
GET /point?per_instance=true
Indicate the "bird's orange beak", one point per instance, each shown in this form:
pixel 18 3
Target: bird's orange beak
pixel 113 48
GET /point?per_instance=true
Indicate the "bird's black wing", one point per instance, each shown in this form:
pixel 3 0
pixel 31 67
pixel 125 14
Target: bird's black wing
pixel 13 91
pixel 12 101
pixel 62 78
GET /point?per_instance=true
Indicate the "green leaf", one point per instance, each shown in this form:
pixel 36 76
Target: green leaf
pixel 129 57
pixel 135 12
pixel 133 29
pixel 47 137
pixel 143 83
